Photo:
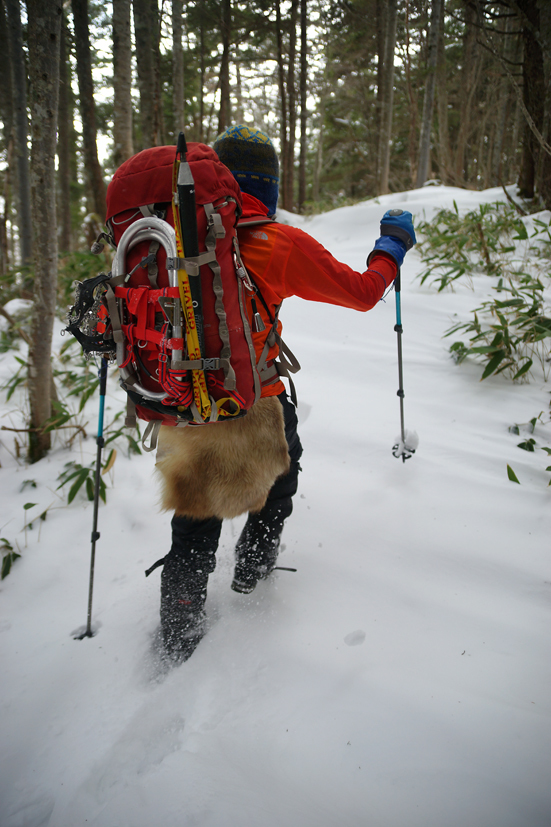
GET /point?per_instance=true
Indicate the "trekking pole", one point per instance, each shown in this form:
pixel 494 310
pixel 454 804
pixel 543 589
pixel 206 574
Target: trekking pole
pixel 407 442
pixel 95 533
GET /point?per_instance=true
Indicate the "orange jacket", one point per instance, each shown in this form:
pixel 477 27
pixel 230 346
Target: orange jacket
pixel 284 261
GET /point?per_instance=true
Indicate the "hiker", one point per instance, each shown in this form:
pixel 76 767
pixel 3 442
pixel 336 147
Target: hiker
pixel 282 261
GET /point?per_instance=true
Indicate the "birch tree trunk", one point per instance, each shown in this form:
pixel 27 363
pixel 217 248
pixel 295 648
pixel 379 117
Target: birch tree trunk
pixel 428 100
pixel 122 82
pixel 387 101
pixel 178 93
pixel 19 91
pixel 44 34
pixel 88 108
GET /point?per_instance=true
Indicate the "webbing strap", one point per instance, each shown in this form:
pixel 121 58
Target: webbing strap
pixel 270 374
pixel 151 431
pixel 216 230
pixel 287 364
pixel 130 421
pixel 269 342
pixel 114 315
pixel 193 264
pixel 245 320
pixel 199 364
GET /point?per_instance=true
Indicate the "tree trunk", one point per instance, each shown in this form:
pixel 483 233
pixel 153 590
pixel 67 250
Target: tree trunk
pixel 428 100
pixel 239 110
pixel 44 33
pixel 178 95
pixel 412 106
pixel 289 165
pixel 303 109
pixel 385 138
pixel 318 162
pixel 202 48
pixel 444 150
pixel 500 124
pixel 122 82
pixel 146 24
pixel 533 94
pixel 469 81
pixel 19 90
pixel 544 165
pixel 381 28
pixel 283 105
pixel 6 117
pixel 65 124
pixel 224 115
pixel 88 108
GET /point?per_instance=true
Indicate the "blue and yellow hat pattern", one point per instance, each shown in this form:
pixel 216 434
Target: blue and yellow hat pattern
pixel 251 157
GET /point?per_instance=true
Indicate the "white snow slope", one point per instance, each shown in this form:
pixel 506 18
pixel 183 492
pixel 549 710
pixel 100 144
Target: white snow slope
pixel 400 678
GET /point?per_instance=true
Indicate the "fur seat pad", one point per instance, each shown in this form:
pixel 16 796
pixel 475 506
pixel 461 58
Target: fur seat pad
pixel 225 468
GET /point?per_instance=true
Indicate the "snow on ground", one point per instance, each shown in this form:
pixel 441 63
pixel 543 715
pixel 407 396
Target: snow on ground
pixel 401 678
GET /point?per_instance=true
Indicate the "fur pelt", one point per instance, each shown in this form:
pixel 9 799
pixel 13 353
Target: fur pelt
pixel 226 468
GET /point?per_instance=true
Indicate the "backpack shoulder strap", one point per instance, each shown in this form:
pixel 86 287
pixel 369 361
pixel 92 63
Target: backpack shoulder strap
pixel 286 363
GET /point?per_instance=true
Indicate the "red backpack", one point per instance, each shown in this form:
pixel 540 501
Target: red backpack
pixel 174 307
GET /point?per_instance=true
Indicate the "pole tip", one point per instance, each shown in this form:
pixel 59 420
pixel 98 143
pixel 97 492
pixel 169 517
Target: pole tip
pixel 83 632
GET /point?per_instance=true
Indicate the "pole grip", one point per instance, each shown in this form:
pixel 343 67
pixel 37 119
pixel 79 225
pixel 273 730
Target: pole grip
pixel 102 373
pixel 397 281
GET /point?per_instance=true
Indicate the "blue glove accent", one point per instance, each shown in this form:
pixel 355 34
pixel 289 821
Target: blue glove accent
pixel 399 224
pixel 393 247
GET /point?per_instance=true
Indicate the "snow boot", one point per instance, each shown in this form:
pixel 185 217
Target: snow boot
pixel 183 596
pixel 258 546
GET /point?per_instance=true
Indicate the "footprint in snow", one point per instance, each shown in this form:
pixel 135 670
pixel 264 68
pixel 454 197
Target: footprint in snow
pixel 355 638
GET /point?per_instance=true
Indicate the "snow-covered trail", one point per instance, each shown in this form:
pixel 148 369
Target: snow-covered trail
pixel 400 677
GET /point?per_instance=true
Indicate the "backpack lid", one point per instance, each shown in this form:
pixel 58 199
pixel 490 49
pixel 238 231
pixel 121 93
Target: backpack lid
pixel 146 178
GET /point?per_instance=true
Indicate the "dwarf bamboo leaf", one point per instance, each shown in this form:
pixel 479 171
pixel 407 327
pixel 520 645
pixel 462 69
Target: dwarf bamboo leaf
pixel 110 461
pixel 511 474
pixel 494 363
pixel 76 486
pixel 8 561
pixel 524 369
pixel 89 489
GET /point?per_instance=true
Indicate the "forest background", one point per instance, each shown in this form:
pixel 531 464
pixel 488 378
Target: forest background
pixel 361 97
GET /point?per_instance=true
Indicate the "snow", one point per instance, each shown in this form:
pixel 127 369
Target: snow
pixel 400 678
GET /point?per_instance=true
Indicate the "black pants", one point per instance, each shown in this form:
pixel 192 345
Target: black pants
pixel 196 541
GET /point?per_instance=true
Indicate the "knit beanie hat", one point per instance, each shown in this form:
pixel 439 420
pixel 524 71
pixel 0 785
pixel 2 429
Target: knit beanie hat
pixel 251 157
